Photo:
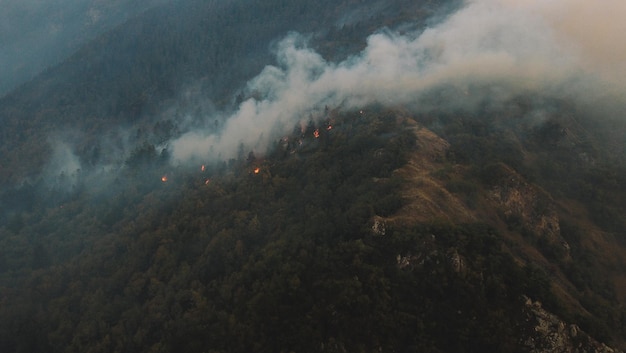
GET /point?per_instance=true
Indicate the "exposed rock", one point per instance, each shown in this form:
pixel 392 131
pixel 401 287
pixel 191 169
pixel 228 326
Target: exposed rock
pixel 457 262
pixel 548 334
pixel 531 205
pixel 379 227
pixel 405 262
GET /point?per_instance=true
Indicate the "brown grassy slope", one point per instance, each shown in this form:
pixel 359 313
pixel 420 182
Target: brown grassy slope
pixel 428 199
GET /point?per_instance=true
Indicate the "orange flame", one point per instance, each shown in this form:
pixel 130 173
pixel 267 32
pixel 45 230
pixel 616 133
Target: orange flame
pixel 330 127
pixel 203 168
pixel 257 170
pixel 206 182
pixel 164 178
pixel 316 133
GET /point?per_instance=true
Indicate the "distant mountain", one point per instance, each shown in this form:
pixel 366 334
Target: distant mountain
pixel 35 35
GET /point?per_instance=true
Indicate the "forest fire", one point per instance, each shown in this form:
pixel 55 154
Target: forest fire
pixel 164 178
pixel 257 170
pixel 203 168
pixel 330 127
pixel 316 133
pixel 206 182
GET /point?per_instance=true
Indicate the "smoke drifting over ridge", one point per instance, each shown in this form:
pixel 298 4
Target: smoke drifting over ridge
pixel 560 48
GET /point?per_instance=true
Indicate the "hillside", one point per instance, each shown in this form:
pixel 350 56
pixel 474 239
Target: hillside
pixel 317 245
pixel 272 176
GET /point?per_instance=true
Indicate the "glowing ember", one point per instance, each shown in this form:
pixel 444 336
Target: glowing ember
pixel 206 182
pixel 330 127
pixel 316 133
pixel 164 178
pixel 203 168
pixel 257 170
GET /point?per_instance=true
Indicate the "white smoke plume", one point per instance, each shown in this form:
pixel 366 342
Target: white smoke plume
pixel 64 166
pixel 563 48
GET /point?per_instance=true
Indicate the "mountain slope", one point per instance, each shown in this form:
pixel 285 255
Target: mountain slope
pixel 316 247
pixel 457 217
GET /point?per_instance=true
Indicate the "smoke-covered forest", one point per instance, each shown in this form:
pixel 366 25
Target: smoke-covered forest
pixel 346 176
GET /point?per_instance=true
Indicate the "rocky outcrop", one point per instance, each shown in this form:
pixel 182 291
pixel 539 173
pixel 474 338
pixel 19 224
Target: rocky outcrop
pixel 521 200
pixel 379 226
pixel 457 262
pixel 547 333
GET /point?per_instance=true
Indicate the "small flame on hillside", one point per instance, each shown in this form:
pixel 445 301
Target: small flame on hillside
pixel 203 168
pixel 257 170
pixel 206 182
pixel 316 133
pixel 164 178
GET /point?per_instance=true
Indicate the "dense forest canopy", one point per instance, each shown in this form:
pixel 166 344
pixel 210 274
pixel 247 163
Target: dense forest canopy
pixel 237 176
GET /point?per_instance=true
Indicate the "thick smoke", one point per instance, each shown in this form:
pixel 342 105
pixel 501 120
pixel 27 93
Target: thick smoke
pixel 489 49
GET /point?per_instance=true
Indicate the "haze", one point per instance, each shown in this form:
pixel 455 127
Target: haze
pixel 36 34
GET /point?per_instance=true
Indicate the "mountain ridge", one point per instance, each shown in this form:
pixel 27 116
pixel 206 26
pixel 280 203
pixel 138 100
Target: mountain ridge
pixel 434 224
